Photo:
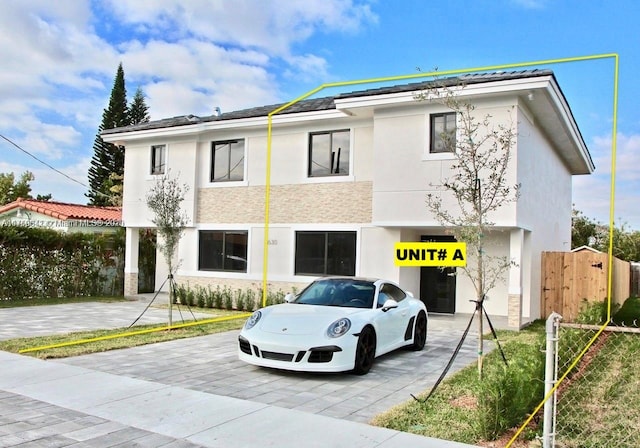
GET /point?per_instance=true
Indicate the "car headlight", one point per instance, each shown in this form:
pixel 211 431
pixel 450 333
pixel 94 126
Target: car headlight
pixel 338 328
pixel 250 323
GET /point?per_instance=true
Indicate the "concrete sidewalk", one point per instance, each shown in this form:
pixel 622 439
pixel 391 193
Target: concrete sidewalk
pixel 52 404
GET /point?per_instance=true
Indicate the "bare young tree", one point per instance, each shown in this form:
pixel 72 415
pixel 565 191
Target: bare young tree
pixel 164 200
pixel 477 186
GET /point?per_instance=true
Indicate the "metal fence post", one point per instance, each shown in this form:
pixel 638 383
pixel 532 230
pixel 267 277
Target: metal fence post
pixel 550 378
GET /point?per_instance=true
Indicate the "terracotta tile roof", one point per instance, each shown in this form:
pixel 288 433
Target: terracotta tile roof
pixel 64 211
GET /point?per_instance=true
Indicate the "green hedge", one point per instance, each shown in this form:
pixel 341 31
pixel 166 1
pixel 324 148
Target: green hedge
pixel 225 298
pixel 42 263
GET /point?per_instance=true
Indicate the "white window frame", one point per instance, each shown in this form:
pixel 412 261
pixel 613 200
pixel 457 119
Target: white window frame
pixel 427 154
pixel 210 158
pixel 194 270
pixel 334 177
pixel 151 160
pixel 320 228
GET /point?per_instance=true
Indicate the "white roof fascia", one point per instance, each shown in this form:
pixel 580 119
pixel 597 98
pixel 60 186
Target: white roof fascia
pixel 490 87
pixel 173 131
pixel 561 105
pixel 184 130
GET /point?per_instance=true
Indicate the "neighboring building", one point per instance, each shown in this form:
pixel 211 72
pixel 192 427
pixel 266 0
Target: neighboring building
pixel 349 178
pixel 61 216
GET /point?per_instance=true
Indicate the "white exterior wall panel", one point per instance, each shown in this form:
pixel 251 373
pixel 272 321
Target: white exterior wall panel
pixel 544 207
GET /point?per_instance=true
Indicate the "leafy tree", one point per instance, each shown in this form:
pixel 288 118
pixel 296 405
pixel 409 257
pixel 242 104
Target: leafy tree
pixel 138 110
pixel 626 243
pixel 164 200
pixel 479 186
pixel 586 232
pixel 12 189
pixel 109 158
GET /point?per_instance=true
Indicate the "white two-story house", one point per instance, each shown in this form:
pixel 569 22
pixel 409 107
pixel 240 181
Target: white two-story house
pixel 349 177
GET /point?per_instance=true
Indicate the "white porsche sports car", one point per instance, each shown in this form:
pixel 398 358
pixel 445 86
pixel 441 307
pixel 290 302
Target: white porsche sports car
pixel 335 324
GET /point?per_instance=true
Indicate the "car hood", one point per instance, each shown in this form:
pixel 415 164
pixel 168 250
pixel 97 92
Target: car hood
pixel 296 319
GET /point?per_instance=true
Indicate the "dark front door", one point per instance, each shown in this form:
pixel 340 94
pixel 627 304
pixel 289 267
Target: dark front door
pixel 438 285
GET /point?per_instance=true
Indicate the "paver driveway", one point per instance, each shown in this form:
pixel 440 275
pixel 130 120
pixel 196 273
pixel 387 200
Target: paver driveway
pixel 31 321
pixel 210 364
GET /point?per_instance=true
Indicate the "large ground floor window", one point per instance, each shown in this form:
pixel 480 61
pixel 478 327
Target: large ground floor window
pixel 325 253
pixel 220 250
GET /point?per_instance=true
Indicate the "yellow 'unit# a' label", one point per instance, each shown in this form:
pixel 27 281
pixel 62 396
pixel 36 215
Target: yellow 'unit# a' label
pixel 430 254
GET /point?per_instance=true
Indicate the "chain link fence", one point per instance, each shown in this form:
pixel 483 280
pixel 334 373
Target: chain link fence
pixel 598 403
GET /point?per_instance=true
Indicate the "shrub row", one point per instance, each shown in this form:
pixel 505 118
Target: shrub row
pixel 44 263
pixel 508 393
pixel 224 297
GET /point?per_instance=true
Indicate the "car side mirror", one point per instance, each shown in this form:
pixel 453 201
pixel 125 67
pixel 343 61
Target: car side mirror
pixel 389 304
pixel 290 297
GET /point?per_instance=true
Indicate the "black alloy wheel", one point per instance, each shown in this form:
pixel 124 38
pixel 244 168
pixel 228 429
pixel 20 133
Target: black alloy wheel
pixel 420 332
pixel 365 351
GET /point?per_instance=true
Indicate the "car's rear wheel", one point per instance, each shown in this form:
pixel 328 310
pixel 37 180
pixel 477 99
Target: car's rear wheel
pixel 420 332
pixel 365 351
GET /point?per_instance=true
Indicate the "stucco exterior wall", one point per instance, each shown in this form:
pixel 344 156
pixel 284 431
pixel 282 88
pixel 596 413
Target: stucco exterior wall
pixel 544 206
pixel 405 172
pixel 181 165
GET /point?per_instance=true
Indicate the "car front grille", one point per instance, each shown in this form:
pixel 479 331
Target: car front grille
pixel 322 354
pixel 245 347
pixel 320 357
pixel 277 356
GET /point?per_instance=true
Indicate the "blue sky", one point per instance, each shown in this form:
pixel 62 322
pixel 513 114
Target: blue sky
pixel 59 60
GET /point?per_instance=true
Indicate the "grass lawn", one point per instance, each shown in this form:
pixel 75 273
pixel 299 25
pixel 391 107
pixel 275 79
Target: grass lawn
pixel 458 409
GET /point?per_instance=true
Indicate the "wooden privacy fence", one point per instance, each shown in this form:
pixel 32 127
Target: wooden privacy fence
pixel 569 279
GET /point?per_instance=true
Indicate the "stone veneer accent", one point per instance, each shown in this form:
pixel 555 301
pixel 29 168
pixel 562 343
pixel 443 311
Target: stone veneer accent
pixel 333 202
pixel 514 319
pixel 130 283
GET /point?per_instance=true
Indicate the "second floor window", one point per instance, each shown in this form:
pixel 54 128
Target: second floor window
pixel 329 153
pixel 227 161
pixel 158 159
pixel 443 133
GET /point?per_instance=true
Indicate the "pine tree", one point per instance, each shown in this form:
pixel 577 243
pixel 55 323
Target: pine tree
pixel 108 158
pixel 138 110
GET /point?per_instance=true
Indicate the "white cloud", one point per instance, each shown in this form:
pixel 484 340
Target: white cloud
pixel 47 182
pixel 592 193
pixel 273 26
pixel 201 76
pixel 59 60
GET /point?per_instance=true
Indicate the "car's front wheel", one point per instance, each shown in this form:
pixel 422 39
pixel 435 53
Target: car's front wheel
pixel 365 351
pixel 420 332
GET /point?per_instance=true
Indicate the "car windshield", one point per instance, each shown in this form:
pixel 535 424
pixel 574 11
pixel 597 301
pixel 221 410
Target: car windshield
pixel 338 292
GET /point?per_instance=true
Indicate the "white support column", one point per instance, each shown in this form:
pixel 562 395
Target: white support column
pixel 515 278
pixel 131 261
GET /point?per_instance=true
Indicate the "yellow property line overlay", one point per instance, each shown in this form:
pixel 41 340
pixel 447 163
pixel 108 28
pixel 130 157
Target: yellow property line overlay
pixel 134 333
pixel 614 131
pixel 267 194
